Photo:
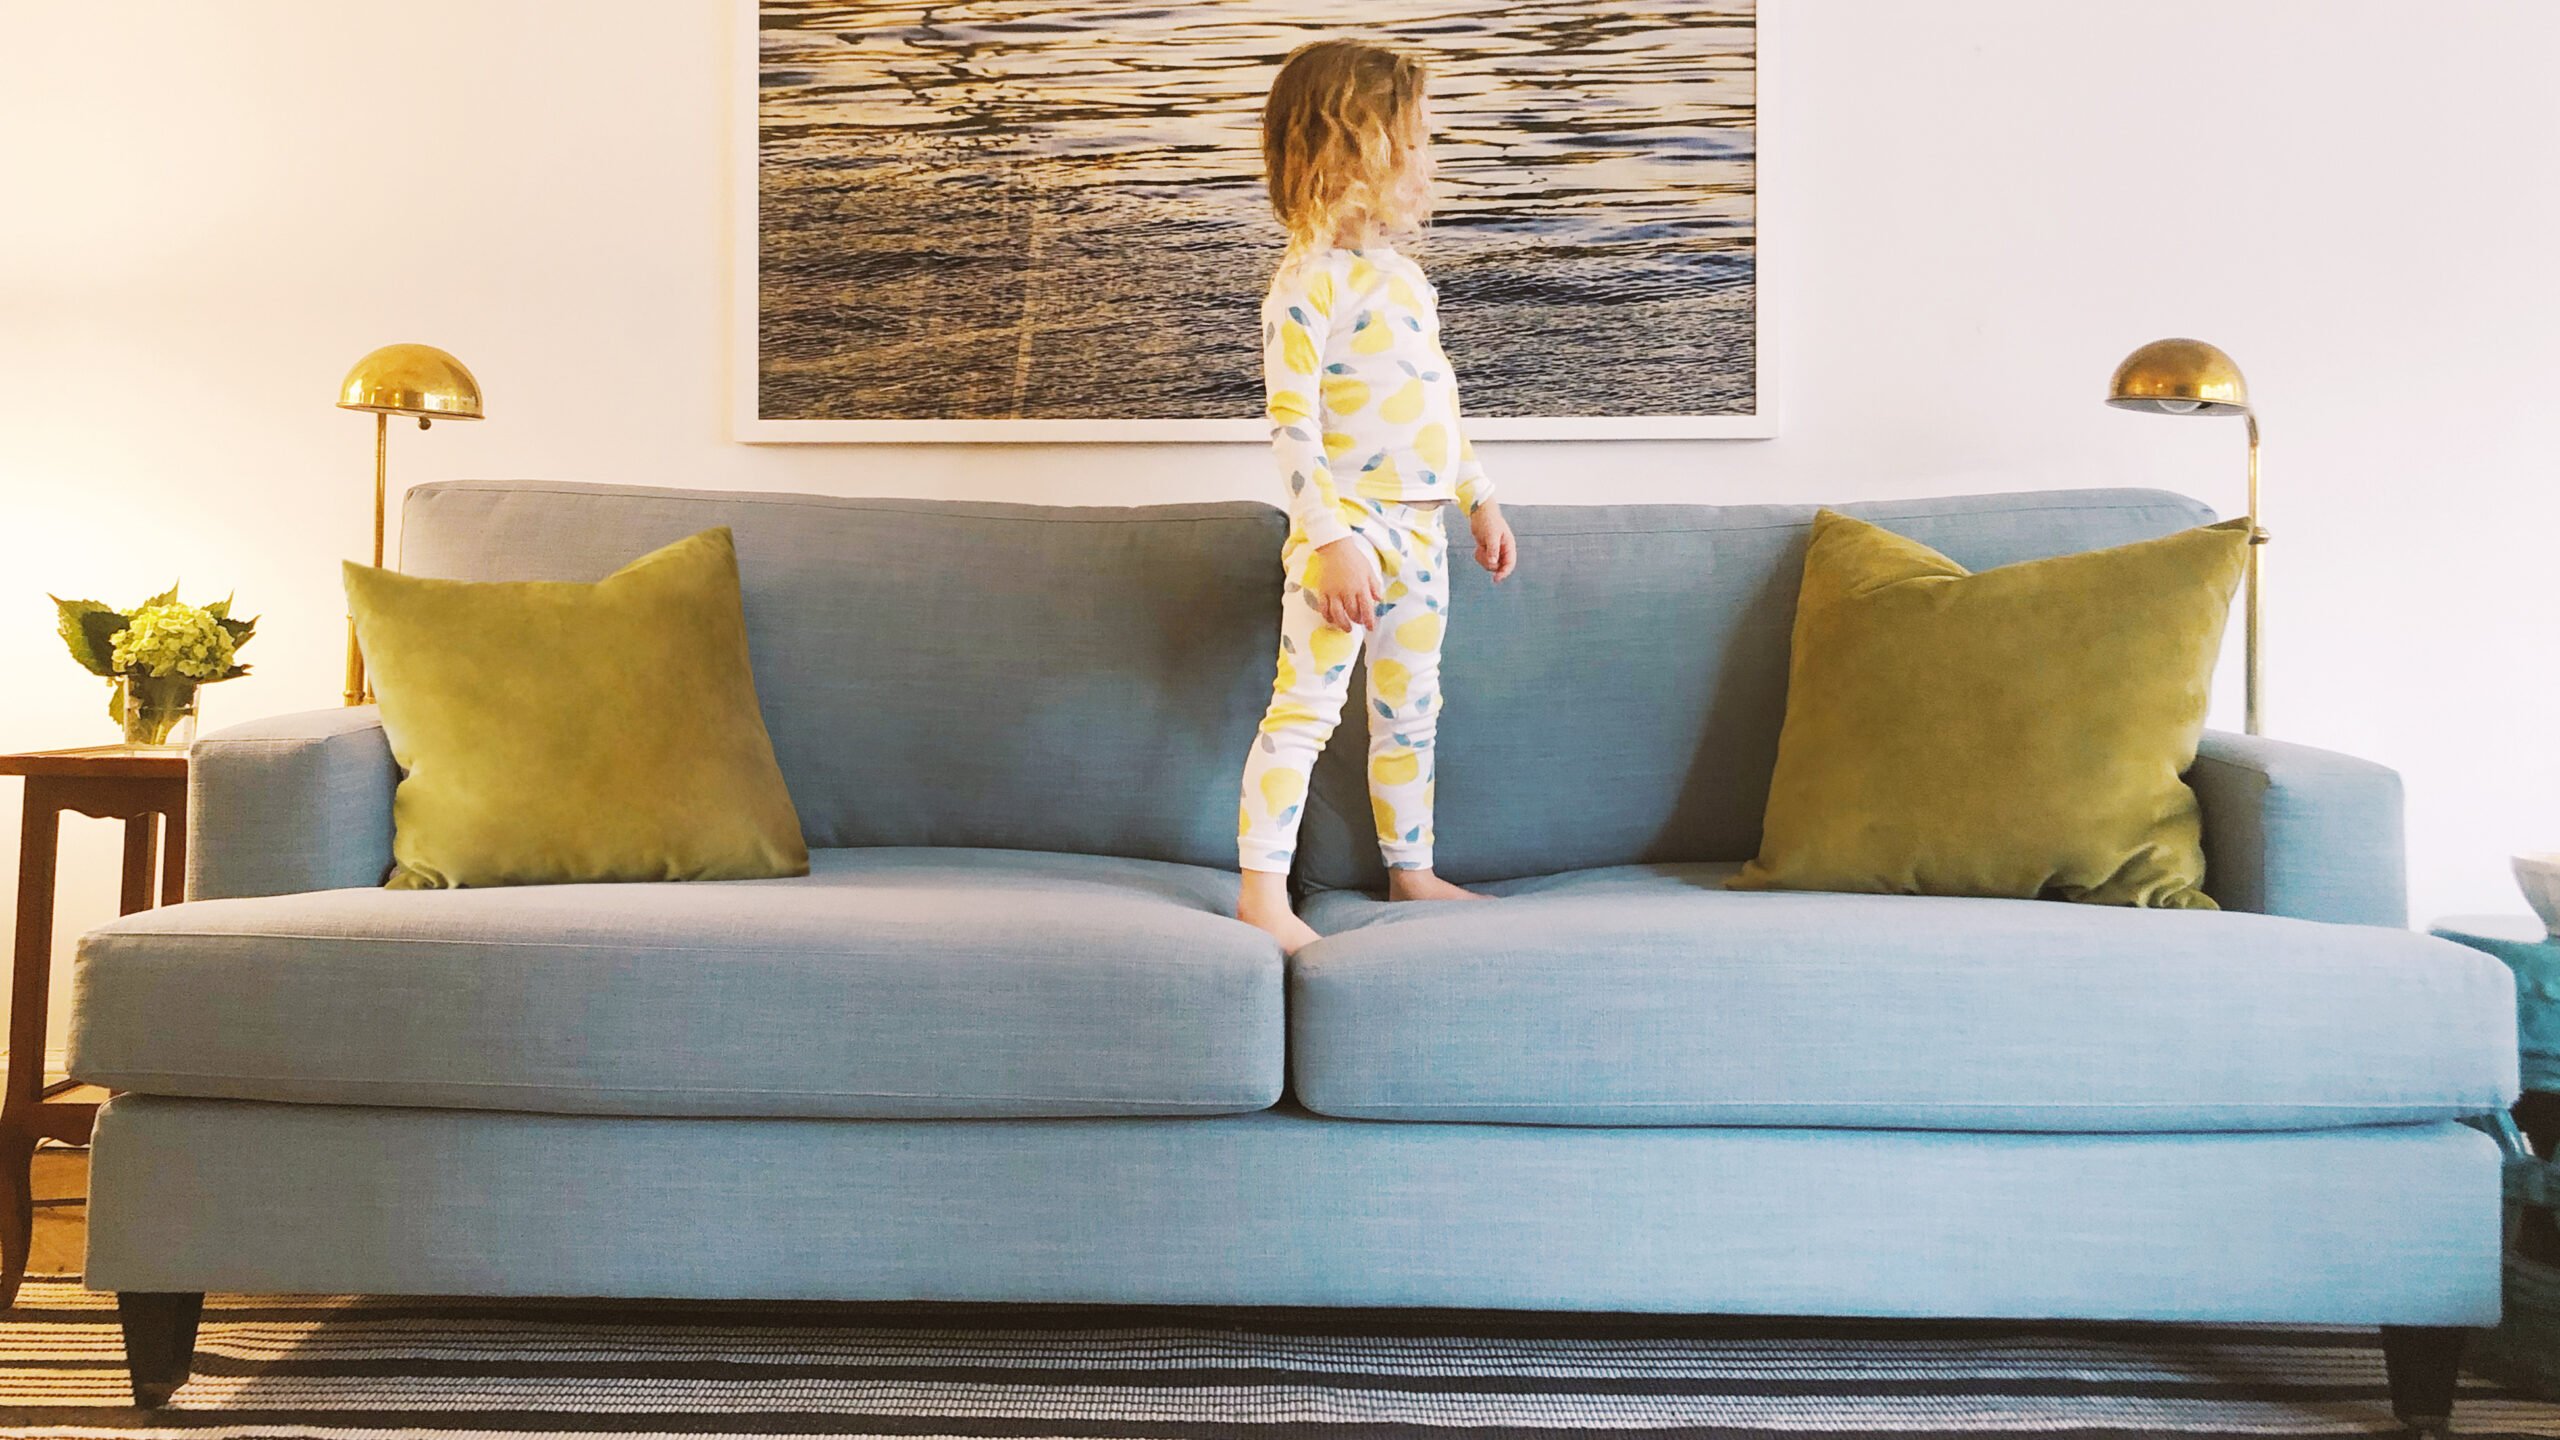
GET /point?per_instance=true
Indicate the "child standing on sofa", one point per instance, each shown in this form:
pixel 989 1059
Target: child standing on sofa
pixel 1364 424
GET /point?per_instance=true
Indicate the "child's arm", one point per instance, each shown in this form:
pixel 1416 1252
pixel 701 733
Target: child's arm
pixel 1473 487
pixel 1294 322
pixel 1497 549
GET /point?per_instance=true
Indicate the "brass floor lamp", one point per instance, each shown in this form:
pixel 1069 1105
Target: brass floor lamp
pixel 2189 377
pixel 418 380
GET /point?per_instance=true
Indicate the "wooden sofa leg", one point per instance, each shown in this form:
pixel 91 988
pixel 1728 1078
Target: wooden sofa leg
pixel 2424 1363
pixel 159 1342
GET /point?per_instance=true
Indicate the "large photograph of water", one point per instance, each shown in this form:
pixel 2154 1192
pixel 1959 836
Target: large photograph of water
pixel 992 210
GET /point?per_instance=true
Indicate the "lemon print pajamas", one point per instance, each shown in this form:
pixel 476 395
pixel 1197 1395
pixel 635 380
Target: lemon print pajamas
pixel 1364 424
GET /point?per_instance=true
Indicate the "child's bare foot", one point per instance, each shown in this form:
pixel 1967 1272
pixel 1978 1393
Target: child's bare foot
pixel 1263 903
pixel 1424 885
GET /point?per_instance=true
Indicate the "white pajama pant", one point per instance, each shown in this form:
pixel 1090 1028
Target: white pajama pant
pixel 1314 678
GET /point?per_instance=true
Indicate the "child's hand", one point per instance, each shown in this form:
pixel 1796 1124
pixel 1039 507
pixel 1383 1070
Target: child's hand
pixel 1344 585
pixel 1496 549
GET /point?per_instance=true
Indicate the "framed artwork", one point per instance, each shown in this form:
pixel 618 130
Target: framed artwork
pixel 1031 220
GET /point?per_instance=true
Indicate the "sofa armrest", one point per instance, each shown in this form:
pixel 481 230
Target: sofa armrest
pixel 2290 830
pixel 292 803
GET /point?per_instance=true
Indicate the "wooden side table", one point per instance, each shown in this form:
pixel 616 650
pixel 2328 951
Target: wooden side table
pixel 147 790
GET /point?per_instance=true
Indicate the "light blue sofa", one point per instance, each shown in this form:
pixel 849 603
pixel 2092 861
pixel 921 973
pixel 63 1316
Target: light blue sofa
pixel 1004 1044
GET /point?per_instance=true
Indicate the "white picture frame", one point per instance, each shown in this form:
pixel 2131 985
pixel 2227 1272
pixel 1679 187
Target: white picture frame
pixel 748 424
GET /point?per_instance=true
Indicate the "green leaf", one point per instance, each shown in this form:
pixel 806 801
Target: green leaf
pixel 240 630
pixel 100 627
pixel 221 609
pixel 234 673
pixel 70 620
pixel 163 598
pixel 115 702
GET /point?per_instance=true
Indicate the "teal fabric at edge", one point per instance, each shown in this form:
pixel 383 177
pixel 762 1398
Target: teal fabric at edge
pixel 2386 1225
pixel 2526 948
pixel 1654 996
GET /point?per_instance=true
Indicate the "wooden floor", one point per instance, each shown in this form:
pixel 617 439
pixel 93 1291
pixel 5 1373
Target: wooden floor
pixel 61 1183
pixel 62 1211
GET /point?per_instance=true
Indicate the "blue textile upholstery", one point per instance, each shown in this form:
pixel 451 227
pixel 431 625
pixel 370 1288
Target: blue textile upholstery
pixel 885 982
pixel 2380 1225
pixel 1653 996
pixel 1618 700
pixel 1005 1044
pixel 2291 830
pixel 293 803
pixel 945 673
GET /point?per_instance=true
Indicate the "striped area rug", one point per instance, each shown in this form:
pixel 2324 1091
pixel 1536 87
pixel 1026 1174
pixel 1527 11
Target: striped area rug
pixel 321 1368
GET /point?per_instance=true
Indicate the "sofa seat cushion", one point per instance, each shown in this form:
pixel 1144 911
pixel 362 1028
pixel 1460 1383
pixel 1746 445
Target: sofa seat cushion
pixel 1649 995
pixel 894 982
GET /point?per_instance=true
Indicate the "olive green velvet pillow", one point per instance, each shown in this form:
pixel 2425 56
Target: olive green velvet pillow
pixel 553 734
pixel 2019 733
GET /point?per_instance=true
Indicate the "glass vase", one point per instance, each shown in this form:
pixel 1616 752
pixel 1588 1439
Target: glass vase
pixel 159 713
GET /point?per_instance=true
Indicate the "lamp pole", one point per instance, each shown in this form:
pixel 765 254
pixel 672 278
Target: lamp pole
pixel 358 691
pixel 2254 714
pixel 2190 377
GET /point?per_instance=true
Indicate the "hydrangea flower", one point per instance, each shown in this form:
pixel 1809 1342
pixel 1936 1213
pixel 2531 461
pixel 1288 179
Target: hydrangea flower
pixel 174 638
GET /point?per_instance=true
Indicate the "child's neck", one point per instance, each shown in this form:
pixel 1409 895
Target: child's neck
pixel 1358 235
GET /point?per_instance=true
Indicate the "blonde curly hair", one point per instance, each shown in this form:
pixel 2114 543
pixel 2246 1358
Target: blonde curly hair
pixel 1339 138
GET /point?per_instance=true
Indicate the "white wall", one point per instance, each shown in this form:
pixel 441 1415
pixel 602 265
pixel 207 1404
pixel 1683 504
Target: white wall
pixel 207 212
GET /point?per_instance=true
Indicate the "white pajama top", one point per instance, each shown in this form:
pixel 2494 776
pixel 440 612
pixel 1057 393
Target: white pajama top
pixel 1362 401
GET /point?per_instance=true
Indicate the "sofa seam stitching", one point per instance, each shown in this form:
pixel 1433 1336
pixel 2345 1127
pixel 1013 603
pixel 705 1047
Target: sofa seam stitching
pixel 360 1082
pixel 2415 1106
pixel 394 940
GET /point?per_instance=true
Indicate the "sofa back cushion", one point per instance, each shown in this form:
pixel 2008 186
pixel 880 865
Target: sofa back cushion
pixel 1618 700
pixel 939 673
